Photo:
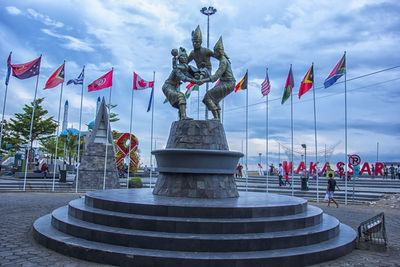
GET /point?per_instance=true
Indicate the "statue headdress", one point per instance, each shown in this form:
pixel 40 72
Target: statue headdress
pixel 196 34
pixel 219 45
pixel 182 51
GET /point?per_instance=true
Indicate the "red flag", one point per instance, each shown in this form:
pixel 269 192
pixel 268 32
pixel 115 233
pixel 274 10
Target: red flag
pixel 56 78
pixel 139 83
pixel 26 70
pixel 307 82
pixel 104 81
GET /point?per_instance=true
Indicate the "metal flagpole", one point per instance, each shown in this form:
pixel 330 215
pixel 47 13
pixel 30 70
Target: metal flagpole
pixel 58 127
pixel 79 134
pixel 198 104
pixel 4 109
pixel 151 134
pixel 108 134
pixel 345 128
pixel 291 126
pixel 223 108
pixel 266 143
pixel 30 130
pixel 315 136
pixel 130 141
pixel 247 133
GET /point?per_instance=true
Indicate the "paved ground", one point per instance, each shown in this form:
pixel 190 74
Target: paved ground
pixel 19 211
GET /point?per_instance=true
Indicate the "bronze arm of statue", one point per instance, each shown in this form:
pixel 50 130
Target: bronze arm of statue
pixel 178 75
pixel 224 87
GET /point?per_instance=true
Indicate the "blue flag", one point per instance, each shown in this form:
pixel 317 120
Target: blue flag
pixel 8 69
pixel 336 73
pixel 151 98
pixel 78 80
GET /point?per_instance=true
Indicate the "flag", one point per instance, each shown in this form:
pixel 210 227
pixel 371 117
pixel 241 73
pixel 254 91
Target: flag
pixel 104 81
pixel 8 68
pixel 140 84
pixel 151 98
pixel 190 88
pixel 288 86
pixel 26 70
pixel 242 84
pixel 56 78
pixel 78 80
pixel 307 82
pixel 265 86
pixel 336 73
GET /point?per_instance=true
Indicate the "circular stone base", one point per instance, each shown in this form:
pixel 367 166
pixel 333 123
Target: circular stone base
pixel 196 185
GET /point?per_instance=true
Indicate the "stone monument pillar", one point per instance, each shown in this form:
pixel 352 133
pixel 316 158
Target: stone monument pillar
pixel 91 169
pixel 197 162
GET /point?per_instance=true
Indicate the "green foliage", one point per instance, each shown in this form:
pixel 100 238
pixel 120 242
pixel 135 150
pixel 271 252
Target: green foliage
pixel 71 145
pixel 113 116
pixel 10 137
pixel 41 126
pixel 135 182
pixel 48 146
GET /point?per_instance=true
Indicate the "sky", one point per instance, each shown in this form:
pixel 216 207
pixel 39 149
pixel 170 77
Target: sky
pixel 137 36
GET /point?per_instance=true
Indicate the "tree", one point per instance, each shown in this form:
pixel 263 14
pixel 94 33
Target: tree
pixel 41 126
pixel 113 116
pixel 11 141
pixel 48 146
pixel 71 145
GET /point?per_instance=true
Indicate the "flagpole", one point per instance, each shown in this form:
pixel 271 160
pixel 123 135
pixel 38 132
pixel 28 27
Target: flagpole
pixel 108 134
pixel 345 127
pixel 315 136
pixel 79 134
pixel 58 127
pixel 30 130
pixel 152 127
pixel 130 141
pixel 266 143
pixel 4 104
pixel 291 126
pixel 198 104
pixel 247 132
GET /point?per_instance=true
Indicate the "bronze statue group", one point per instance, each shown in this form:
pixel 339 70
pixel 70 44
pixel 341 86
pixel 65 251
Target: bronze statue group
pixel 183 72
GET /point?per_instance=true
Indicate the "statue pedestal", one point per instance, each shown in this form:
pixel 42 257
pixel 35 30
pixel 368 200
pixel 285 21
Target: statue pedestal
pixel 196 162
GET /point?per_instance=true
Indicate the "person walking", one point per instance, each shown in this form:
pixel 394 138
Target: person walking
pixel 330 190
pixel 392 176
pixel 373 171
pixel 280 174
pixel 287 180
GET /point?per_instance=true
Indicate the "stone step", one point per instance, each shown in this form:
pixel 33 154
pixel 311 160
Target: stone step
pixel 68 245
pixel 142 201
pixel 312 216
pixel 328 229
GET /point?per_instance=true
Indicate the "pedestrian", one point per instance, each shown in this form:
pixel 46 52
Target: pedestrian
pixel 392 176
pixel 330 190
pixel 280 174
pixel 271 172
pixel 398 171
pixel 239 170
pixel 287 181
pixel 373 171
pixel 385 172
pixel 45 169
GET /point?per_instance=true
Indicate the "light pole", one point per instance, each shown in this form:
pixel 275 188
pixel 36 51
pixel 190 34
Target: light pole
pixel 208 12
pixel 305 156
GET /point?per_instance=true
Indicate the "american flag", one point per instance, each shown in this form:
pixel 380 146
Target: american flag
pixel 265 86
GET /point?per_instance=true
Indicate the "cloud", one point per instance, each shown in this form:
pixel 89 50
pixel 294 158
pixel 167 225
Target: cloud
pixel 13 10
pixel 72 42
pixel 44 18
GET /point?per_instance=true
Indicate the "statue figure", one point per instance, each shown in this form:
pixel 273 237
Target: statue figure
pixel 200 55
pixel 180 73
pixel 226 84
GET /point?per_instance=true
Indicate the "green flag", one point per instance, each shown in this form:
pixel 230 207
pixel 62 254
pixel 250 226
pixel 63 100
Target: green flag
pixel 288 86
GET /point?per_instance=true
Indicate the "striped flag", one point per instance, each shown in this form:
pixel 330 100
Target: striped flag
pixel 265 86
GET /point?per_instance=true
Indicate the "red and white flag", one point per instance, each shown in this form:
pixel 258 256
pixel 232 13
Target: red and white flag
pixel 104 81
pixel 265 86
pixel 139 83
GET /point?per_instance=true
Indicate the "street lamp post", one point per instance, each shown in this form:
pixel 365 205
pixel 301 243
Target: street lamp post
pixel 208 12
pixel 305 156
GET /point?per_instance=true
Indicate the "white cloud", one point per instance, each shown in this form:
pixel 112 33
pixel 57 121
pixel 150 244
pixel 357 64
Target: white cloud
pixel 13 10
pixel 44 18
pixel 72 42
